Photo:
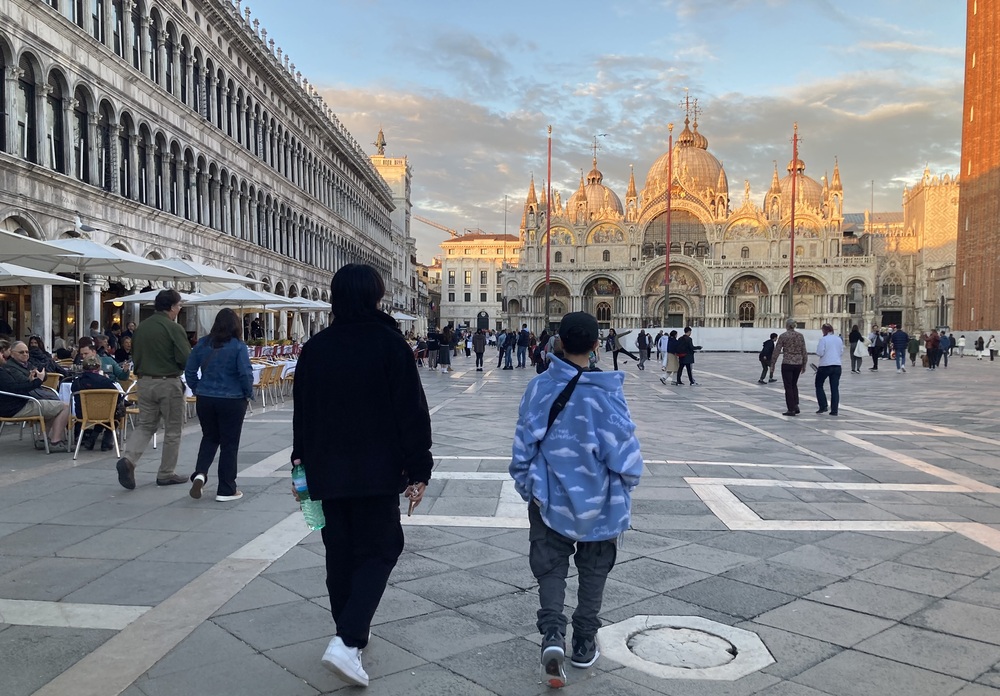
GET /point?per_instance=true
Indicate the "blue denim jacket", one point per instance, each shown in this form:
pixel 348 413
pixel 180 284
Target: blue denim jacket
pixel 225 371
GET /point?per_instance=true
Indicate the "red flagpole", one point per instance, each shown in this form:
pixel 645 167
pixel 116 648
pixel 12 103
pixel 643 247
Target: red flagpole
pixel 791 247
pixel 670 181
pixel 548 228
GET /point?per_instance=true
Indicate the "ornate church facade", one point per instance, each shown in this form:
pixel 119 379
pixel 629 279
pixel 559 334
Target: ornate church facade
pixel 729 259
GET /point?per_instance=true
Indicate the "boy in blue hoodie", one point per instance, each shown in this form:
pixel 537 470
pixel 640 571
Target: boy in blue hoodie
pixel 575 462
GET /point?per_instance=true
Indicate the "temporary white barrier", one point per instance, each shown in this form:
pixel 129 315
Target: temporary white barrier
pixel 721 339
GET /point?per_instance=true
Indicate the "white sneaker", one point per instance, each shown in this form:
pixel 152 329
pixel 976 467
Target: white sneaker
pixel 227 498
pixel 345 662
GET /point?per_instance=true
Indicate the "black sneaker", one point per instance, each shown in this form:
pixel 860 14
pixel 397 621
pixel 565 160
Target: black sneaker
pixel 585 651
pixel 553 655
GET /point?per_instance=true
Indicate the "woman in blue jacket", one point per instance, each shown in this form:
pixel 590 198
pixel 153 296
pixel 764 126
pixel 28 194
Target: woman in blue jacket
pixel 218 372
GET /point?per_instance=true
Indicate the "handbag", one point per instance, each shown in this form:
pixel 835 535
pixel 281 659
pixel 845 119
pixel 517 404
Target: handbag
pixel 859 350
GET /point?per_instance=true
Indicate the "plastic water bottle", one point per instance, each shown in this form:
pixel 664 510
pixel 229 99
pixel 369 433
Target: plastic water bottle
pixel 312 510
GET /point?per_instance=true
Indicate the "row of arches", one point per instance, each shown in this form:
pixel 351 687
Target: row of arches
pixel 68 128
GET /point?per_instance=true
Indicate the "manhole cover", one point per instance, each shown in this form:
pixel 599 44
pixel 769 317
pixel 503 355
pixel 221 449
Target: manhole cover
pixel 685 648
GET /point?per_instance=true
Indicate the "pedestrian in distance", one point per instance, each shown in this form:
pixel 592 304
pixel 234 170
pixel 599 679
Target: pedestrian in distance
pixel 559 464
pixel 944 345
pixel 685 357
pixel 857 343
pixel 913 348
pixel 830 351
pixel 160 350
pixel 479 347
pixel 642 343
pixel 791 346
pixel 656 342
pixel 619 347
pixel 668 349
pixel 991 346
pixel 219 374
pixel 444 354
pixel 960 344
pixel 900 343
pixel 359 453
pixel 523 339
pixel 765 359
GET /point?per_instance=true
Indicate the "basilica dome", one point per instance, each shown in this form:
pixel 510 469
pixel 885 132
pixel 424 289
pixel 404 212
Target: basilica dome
pixel 695 167
pixel 599 200
pixel 807 189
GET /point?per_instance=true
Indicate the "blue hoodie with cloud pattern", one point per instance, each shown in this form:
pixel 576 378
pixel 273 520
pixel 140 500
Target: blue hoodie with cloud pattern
pixel 583 472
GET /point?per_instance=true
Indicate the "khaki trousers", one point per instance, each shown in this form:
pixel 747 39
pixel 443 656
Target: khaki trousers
pixel 159 399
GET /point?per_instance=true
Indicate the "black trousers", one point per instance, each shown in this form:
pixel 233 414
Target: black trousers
pixel 221 427
pixel 479 359
pixel 790 380
pixel 363 539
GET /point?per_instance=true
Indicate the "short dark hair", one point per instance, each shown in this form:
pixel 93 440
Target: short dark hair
pixel 165 299
pixel 355 291
pixel 226 326
pixel 774 335
pixel 85 342
pixel 579 332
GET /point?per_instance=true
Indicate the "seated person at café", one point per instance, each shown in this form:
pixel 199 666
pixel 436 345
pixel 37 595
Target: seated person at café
pixel 101 346
pixel 108 365
pixel 40 358
pixel 124 352
pixel 17 376
pixel 91 378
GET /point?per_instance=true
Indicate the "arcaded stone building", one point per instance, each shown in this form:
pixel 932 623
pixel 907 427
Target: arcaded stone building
pixel 179 129
pixel 978 253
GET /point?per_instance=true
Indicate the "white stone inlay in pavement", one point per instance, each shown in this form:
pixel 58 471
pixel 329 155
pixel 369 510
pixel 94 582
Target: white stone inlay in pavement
pixel 115 665
pixel 440 406
pixel 467 521
pixel 27 612
pixel 684 647
pixel 267 466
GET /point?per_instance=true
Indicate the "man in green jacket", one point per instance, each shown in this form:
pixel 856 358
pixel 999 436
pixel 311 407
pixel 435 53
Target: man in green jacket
pixel 160 351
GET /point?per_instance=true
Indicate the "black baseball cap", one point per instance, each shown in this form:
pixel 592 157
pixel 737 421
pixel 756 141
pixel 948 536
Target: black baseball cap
pixel 578 331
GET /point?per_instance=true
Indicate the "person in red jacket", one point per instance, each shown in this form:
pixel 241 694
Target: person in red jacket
pixel 362 430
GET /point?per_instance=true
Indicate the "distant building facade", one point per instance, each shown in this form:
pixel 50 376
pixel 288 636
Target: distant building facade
pixel 978 249
pixel 471 279
pixel 178 129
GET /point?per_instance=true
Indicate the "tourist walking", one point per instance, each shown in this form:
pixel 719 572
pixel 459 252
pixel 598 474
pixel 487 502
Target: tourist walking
pixel 566 468
pixel 359 453
pixel 219 374
pixel 991 346
pixel 479 347
pixel 876 344
pixel 933 342
pixel 857 354
pixel 668 350
pixel 944 345
pixel 765 360
pixel 642 344
pixel 685 357
pixel 961 346
pixel 444 355
pixel 792 346
pixel 501 341
pixel 160 350
pixel 913 348
pixel 523 339
pixel 980 347
pixel 900 342
pixel 830 351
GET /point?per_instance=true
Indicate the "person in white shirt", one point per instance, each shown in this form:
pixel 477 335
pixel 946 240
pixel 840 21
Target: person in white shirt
pixel 830 351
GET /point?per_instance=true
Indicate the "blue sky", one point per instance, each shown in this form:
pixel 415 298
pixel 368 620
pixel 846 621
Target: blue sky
pixel 466 90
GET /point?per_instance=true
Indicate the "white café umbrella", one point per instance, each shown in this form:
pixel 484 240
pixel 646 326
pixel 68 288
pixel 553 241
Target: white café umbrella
pixel 149 296
pixel 400 316
pixel 86 256
pixel 245 298
pixel 191 270
pixel 12 274
pixel 14 247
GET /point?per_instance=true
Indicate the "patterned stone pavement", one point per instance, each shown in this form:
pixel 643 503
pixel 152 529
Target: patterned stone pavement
pixel 863 550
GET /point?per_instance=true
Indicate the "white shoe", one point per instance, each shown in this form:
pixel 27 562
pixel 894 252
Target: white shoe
pixel 226 498
pixel 345 662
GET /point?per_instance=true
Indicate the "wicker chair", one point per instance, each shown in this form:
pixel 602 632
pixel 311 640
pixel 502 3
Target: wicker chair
pixel 97 408
pixel 38 420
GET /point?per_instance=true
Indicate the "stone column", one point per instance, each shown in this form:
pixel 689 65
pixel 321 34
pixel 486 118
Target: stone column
pixel 161 58
pixel 11 75
pixel 127 6
pixel 69 152
pixel 201 92
pixel 94 146
pixel 213 204
pixel 150 174
pixel 224 206
pixel 91 304
pixel 203 216
pixel 133 169
pixel 191 191
pixel 41 312
pixel 113 135
pixel 42 124
pixel 230 108
pixel 185 83
pixel 216 102
pixel 147 48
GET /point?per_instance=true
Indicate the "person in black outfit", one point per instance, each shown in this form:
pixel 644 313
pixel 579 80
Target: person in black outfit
pixel 362 430
pixel 854 338
pixel 92 378
pixel 685 356
pixel 765 359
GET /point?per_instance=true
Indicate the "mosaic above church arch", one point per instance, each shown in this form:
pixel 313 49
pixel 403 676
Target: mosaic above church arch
pixel 682 280
pixel 602 287
pixel 606 234
pixel 557 288
pixel 748 285
pixel 746 228
pixel 560 237
pixel 804 229
pixel 806 285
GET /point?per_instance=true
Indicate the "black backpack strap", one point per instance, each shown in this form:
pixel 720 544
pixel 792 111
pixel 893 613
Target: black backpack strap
pixel 560 403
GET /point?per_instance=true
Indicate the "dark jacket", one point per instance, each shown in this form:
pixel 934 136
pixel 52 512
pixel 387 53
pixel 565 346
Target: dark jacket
pixel 766 351
pixel 685 347
pixel 523 338
pixel 899 340
pixel 360 427
pixel 855 336
pixel 225 371
pixel 41 360
pixel 88 380
pixel 14 379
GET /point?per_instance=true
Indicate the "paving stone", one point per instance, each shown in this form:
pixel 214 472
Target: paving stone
pixel 471 507
pixel 865 545
pixel 381 658
pixel 398 604
pixel 592 683
pixel 451 632
pixel 412 565
pixel 468 554
pixel 654 575
pixel 731 597
pixel 420 538
pixel 851 673
pixel 305 582
pixel 472 489
pixel 750 684
pixel 122 544
pixel 208 644
pixel 788 511
pixel 829 624
pixel 960 619
pixel 141 583
pixel 427 680
pixel 173 519
pixel 514 572
pixel 510 668
pixel 298 558
pixel 663 605
pixel 793 653
pixel 275 626
pixel 984 591
pixel 252 673
pixel 259 592
pixel 938 652
pixel 51 579
pixel 870 598
pixel 951 560
pixel 824 560
pixel 515 613
pixel 42 540
pixel 790 689
pixel 905 577
pixel 35 655
pixel 703 558
pixel 753 544
pixel 780 577
pixel 456 588
pixel 977 690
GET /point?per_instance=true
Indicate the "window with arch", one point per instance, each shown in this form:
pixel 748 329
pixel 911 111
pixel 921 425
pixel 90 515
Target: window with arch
pixel 892 286
pixel 606 256
pixel 558 257
pixel 745 253
pixel 603 311
pixel 747 312
pixel 701 249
